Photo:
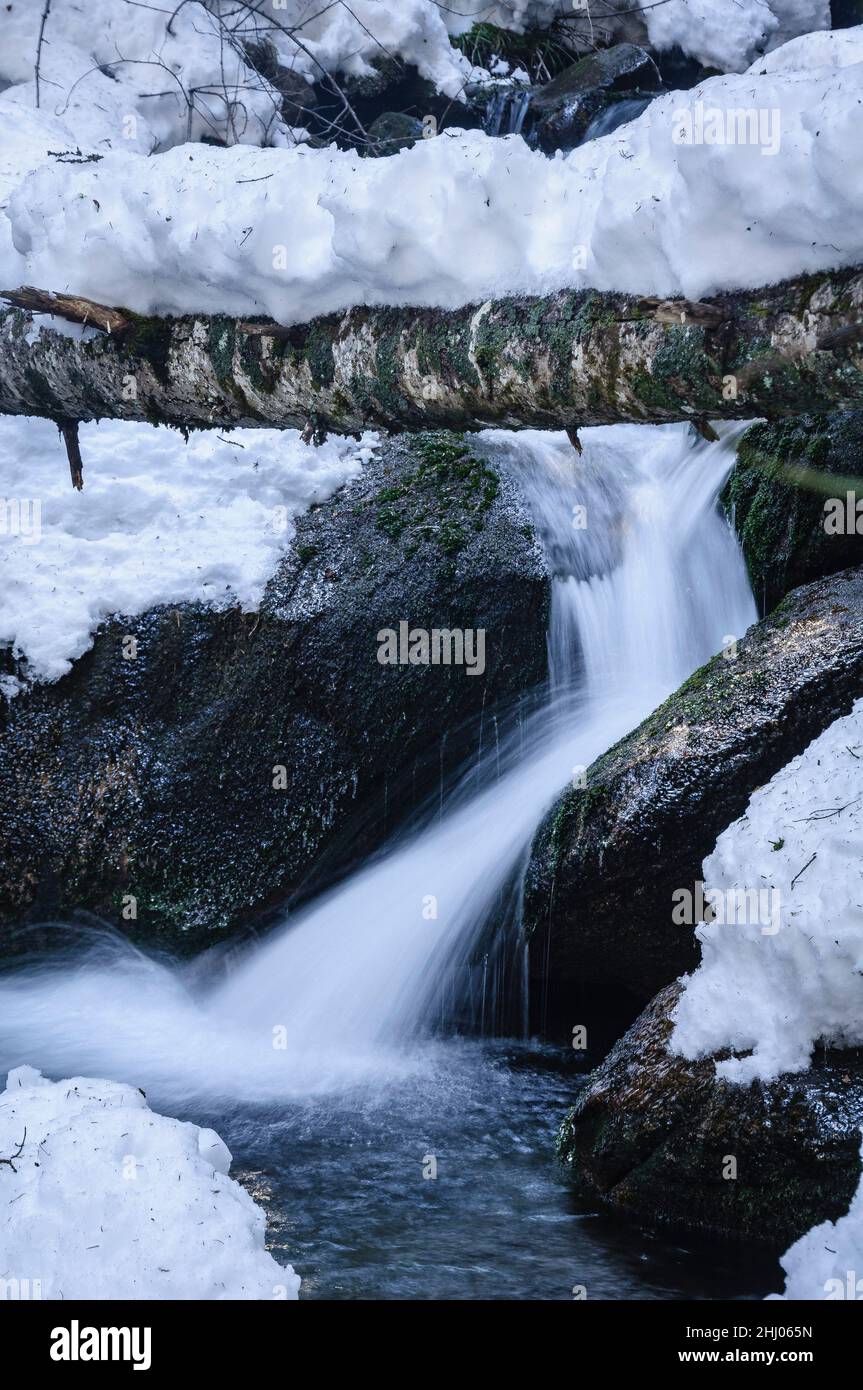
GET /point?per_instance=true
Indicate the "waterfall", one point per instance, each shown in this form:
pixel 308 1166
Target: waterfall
pixel 616 114
pixel 647 583
pixel 506 111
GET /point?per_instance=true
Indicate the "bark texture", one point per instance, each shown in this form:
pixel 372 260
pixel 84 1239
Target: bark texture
pixel 572 359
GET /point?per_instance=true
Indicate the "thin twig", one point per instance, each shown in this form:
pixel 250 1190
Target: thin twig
pixel 828 812
pixel 10 1162
pixel 45 13
pixel 805 867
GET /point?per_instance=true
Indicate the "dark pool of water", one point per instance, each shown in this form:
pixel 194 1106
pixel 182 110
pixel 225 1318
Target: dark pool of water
pixel 347 1204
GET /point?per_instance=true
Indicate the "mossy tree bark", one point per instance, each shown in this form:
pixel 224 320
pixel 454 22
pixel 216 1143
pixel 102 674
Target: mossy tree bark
pixel 572 359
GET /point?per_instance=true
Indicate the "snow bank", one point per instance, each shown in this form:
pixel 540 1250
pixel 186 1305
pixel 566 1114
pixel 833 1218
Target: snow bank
pixel 778 993
pixel 135 77
pixel 650 208
pixel 112 78
pixel 727 34
pixel 159 521
pixel 837 48
pixel 130 76
pixel 109 1200
pixel 350 39
pixel 827 1263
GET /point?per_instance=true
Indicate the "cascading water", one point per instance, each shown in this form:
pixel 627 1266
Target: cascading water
pixel 506 112
pixel 616 114
pixel 648 582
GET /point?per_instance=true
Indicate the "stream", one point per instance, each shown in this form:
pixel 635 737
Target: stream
pixel 339 1056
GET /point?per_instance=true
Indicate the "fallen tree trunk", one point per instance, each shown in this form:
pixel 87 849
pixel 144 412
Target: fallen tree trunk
pixel 571 359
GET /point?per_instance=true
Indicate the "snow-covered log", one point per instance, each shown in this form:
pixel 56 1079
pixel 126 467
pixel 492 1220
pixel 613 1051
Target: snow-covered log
pixel 574 358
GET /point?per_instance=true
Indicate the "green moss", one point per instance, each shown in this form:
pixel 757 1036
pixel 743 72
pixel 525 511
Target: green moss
pixel 261 369
pixel 784 472
pixel 451 537
pixel 447 494
pixel 539 52
pixel 680 370
pixel 380 397
pixel 318 353
pixel 220 340
pixel 548 328
pixel 149 337
pixel 391 522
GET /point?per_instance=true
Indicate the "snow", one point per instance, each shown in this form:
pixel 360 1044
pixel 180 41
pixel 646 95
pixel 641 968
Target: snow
pixel 132 77
pixel 158 521
pixel 838 48
pixel 350 39
pixel 121 76
pixel 463 217
pixel 728 34
pixel 25 139
pixel 112 78
pixel 109 1200
pixel 827 1262
pixel 779 992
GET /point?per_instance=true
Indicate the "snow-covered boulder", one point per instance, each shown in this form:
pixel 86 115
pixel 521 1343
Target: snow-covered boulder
pixel 714 1111
pixel 770 992
pixel 103 1198
pixel 729 35
pixel 662 1139
pixel 164 744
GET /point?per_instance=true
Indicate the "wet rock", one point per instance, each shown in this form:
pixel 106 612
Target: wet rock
pixel 381 75
pixel 622 67
pixel 845 14
pixel 652 1134
pixel 784 474
pixel 563 109
pixel 393 131
pixel 607 858
pixel 154 777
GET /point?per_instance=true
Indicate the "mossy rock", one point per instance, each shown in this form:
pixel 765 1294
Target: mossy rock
pixel 784 474
pixel 393 131
pixel 154 777
pixel 608 856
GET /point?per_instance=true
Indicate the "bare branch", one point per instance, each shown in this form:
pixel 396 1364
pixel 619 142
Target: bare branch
pixel 10 1162
pixel 45 13
pixel 69 307
pixel 69 431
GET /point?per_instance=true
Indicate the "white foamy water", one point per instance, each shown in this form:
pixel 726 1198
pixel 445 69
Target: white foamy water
pixel 648 583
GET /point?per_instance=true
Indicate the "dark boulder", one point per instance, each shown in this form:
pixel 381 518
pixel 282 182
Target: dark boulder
pixel 845 14
pixel 652 1134
pixel 784 473
pixel 393 131
pixel 607 858
pixel 616 69
pixel 154 777
pixel 299 97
